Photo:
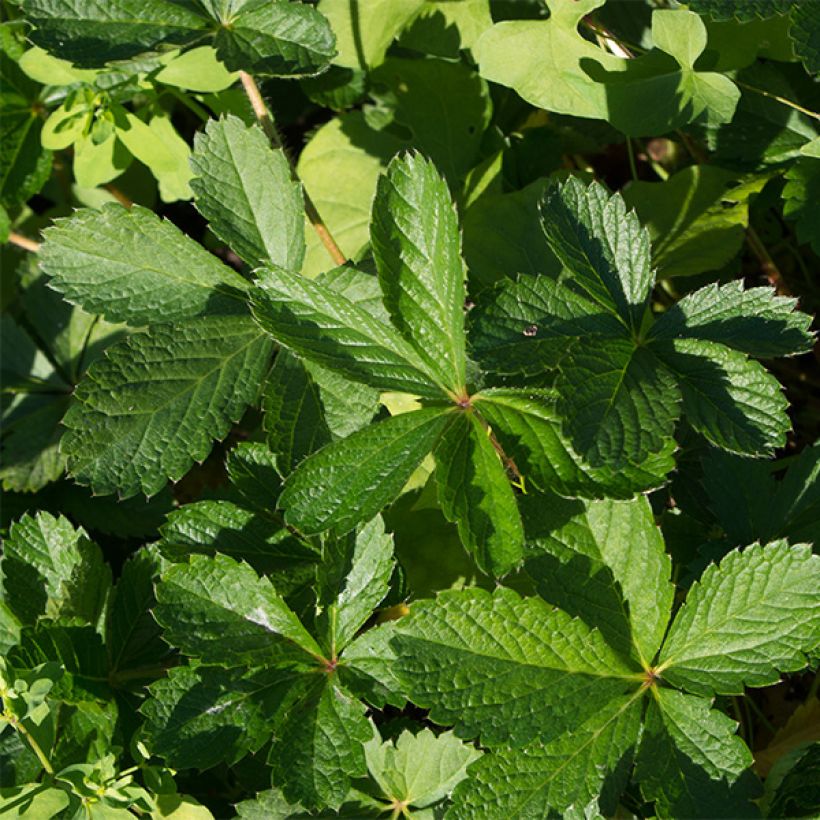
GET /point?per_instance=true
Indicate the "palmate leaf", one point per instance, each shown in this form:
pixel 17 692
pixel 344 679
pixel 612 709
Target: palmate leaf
pixel 476 495
pixel 746 620
pixel 350 480
pixel 566 777
pixel 157 401
pixel 131 266
pixel 507 668
pixel 246 192
pixel 416 246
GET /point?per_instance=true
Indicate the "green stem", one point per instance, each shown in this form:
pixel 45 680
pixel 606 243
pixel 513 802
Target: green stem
pixel 630 150
pixel 35 746
pixel 192 105
pixel 782 100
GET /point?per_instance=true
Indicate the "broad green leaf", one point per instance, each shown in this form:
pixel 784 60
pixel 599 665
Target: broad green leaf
pixel 605 248
pixel 268 805
pixel 416 246
pixel 49 70
pixel 96 164
pixel 747 620
pixel 444 104
pixel 805 35
pixel 801 189
pixel 319 746
pixel 323 326
pixel 475 493
pixel 158 400
pixel 281 39
pixel 251 468
pixel 339 168
pixel 221 611
pixel 797 499
pixel 370 660
pixel 754 321
pixel 294 413
pixel 66 124
pixel 432 31
pixel 157 144
pixel 584 769
pixel 32 800
pixel 135 649
pixel 696 219
pixel 199 716
pixel 597 561
pixel 133 267
pixel 731 400
pixel 352 580
pixel 196 70
pixel 25 164
pixel 95 32
pixel 728 9
pixel 364 31
pixel 348 406
pixel 507 668
pixel 503 237
pixel 247 193
pixel 618 401
pixel 350 480
pixel 9 628
pixel 691 763
pixel 419 770
pixel 529 429
pixel 530 323
pixel 52 570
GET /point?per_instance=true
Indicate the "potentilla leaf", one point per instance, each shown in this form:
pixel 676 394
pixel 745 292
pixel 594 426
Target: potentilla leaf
pixel 252 470
pixel 417 248
pixel 507 668
pixel 598 561
pixel 475 493
pixel 747 620
pixel 618 401
pixel 528 427
pixel 319 745
pixel 98 31
pixel 691 763
pixel 731 400
pixel 131 266
pixel 158 400
pixel 199 716
pixel 221 611
pixel 755 321
pixel 323 326
pixel 605 248
pixel 349 481
pixel 51 569
pixel 247 193
pixel 280 39
pixel 584 769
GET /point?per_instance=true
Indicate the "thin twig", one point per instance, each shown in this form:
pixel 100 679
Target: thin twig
pixel 265 120
pixel 24 242
pixel 767 265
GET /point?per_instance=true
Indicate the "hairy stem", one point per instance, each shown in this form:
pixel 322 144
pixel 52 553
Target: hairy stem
pixel 265 120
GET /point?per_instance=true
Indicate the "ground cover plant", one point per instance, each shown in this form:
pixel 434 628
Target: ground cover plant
pixel 410 409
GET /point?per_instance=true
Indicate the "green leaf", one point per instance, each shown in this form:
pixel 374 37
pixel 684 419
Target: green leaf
pixel 696 219
pixel 347 406
pixel 98 31
pixel 52 570
pixel 281 39
pixel 319 746
pixel 417 251
pixel 221 611
pixel 350 480
pixel 157 401
pixel 196 70
pixel 691 763
pixel 251 467
pixel 728 9
pixel 247 193
pixel 754 321
pixel 801 189
pixel 325 327
pixel 529 429
pixel 618 401
pixel 605 248
pixel 294 413
pixel 353 580
pixel 476 495
pixel 96 164
pixel 370 661
pixel 339 168
pixel 805 36
pixel 419 770
pixel 573 773
pixel 133 267
pixel 508 668
pixel 746 621
pixel 732 401
pixel 199 716
pixel 597 561
pixel 32 800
